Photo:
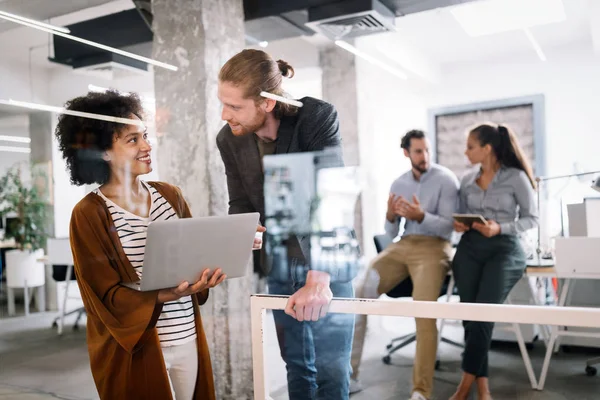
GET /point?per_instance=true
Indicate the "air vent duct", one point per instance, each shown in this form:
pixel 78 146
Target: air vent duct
pixel 350 19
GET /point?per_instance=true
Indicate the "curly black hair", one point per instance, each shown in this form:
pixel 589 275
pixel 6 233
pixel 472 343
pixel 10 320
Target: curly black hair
pixel 82 141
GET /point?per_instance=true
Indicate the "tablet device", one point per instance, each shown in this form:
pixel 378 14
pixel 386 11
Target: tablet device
pixel 179 250
pixel 468 219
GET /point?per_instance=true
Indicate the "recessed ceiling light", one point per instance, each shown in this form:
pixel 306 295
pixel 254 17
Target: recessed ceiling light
pixel 487 17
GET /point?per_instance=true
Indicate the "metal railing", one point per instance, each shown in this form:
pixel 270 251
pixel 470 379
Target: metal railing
pixel 519 314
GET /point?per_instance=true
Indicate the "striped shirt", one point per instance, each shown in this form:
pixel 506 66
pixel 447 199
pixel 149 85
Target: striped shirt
pixel 175 324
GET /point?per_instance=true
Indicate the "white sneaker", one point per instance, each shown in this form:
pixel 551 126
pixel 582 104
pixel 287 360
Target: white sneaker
pixel 355 386
pixel 417 396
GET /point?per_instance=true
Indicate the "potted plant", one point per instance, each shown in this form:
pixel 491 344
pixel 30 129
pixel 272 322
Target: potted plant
pixel 26 213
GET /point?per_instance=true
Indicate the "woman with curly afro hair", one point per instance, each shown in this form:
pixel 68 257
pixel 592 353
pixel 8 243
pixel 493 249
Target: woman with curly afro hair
pixel 142 345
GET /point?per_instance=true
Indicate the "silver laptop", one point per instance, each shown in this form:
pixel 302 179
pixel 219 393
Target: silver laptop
pixel 179 250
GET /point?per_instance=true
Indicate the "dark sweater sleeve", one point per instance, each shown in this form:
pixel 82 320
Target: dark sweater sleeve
pixel 239 202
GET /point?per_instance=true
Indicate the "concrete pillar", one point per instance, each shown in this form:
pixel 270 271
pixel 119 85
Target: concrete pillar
pixel 199 36
pixel 339 88
pixel 339 81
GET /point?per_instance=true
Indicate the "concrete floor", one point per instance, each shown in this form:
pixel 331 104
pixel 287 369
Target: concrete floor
pixel 36 364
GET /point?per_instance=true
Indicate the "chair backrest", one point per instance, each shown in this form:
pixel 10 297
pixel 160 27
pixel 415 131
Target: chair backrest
pixel 59 252
pixel 381 242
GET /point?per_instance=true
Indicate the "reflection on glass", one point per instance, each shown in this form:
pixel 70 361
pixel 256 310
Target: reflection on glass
pixel 310 208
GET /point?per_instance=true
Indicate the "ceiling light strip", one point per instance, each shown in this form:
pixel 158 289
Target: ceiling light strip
pixel 16 139
pixel 535 44
pixel 281 99
pixel 94 44
pixel 61 110
pixel 348 47
pixel 32 21
pixel 13 149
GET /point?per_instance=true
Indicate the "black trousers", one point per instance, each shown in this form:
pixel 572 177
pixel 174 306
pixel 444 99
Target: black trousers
pixel 485 271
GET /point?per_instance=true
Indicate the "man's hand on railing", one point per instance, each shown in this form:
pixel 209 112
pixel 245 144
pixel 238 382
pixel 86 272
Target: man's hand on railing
pixel 312 300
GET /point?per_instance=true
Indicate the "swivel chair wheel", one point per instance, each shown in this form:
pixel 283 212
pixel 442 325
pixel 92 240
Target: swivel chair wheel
pixel 76 328
pixel 591 371
pixel 437 364
pixel 54 324
pixel 387 360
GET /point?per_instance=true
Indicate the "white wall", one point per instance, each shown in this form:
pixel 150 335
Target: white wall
pixel 390 106
pixel 17 85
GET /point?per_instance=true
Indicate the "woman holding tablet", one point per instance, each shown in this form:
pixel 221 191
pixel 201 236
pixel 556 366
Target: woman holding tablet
pixel 142 345
pixel 489 259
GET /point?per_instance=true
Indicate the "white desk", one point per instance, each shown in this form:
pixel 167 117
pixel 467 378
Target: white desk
pixel 574 260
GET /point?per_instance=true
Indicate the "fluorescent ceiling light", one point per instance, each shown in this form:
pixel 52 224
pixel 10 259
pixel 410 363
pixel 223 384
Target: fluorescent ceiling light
pixel 31 21
pixel 94 44
pixel 13 149
pixel 263 44
pixel 16 139
pixel 61 110
pixel 282 99
pixel 487 17
pixel 535 44
pixel 348 47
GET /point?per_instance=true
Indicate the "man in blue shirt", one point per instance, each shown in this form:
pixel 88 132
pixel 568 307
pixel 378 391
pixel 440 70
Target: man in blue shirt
pixel 425 198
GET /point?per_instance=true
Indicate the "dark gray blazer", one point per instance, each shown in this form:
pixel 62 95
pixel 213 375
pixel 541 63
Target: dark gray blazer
pixel 315 127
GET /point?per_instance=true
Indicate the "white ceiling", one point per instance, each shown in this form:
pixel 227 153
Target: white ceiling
pixel 432 40
pixel 440 38
pixel 434 37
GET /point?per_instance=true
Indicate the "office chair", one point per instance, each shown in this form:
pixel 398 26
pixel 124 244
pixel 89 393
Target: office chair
pixel 404 289
pixel 61 260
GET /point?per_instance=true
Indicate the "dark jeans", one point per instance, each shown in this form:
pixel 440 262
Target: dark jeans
pixel 485 270
pixel 316 354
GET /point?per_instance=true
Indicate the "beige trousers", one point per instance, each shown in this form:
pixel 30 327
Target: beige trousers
pixel 426 259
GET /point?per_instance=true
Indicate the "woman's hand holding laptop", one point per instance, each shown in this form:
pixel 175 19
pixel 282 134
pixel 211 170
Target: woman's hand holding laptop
pixel 258 241
pixel 206 281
